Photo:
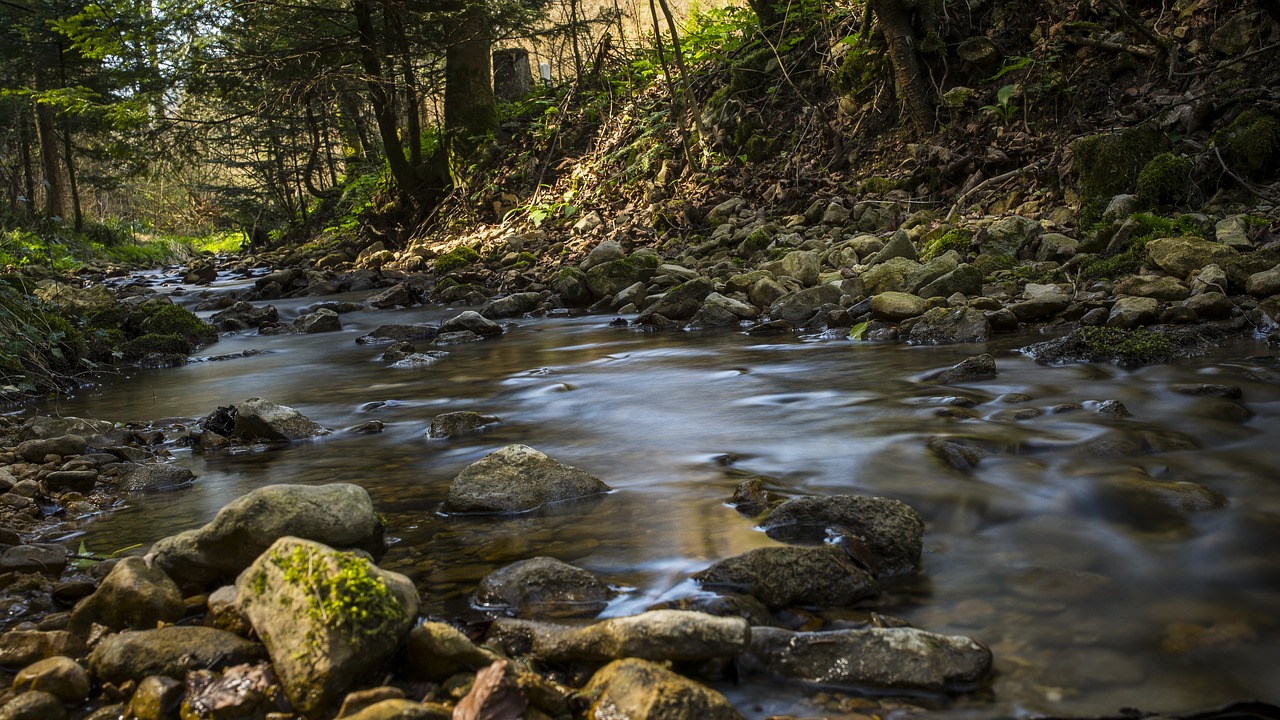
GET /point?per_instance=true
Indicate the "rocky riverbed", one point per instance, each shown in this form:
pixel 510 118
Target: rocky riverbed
pixel 277 606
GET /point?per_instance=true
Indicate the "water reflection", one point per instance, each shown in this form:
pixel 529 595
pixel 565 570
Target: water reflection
pixel 1092 597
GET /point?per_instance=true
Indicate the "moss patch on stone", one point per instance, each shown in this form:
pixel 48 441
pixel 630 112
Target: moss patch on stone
pixel 1126 348
pixel 1251 144
pixel 1166 179
pixel 342 594
pixel 940 242
pixel 1129 260
pixel 458 257
pixel 167 319
pixel 1109 164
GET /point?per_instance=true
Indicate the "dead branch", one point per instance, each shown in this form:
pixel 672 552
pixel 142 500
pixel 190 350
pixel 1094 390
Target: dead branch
pixel 995 181
pixel 1112 47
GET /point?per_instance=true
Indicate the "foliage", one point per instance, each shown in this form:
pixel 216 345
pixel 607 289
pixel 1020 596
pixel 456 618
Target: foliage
pixel 1109 163
pixel 39 351
pixel 1003 109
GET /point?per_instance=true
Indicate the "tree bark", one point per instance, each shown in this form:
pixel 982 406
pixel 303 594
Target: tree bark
pixel 382 98
pixel 900 33
pixel 470 109
pixel 52 173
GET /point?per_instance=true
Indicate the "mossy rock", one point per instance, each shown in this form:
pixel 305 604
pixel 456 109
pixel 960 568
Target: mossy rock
pixel 458 257
pixel 1166 179
pixel 166 319
pixel 1126 348
pixel 1251 144
pixel 1109 164
pixel 160 350
pixel 942 241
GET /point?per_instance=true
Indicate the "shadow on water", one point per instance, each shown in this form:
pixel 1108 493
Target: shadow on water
pixel 1096 585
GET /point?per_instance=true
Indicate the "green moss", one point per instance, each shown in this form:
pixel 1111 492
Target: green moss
pixel 1109 164
pixel 168 319
pixel 860 68
pixel 1165 179
pixel 942 241
pixel 157 350
pixel 1129 260
pixel 1036 274
pixel 458 257
pixel 757 240
pixel 1139 346
pixel 1251 144
pixel 876 186
pixel 340 591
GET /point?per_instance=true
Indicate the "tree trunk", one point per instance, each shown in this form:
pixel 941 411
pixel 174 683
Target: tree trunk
pixel 383 100
pixel 766 12
pixel 470 109
pixel 24 157
pixel 45 132
pixel 900 33
pixel 77 214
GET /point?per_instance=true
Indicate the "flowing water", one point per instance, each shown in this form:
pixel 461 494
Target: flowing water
pixel 1091 596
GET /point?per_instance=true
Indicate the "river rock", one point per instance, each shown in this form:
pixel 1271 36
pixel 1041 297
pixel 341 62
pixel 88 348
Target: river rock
pixel 542 587
pixel 1041 301
pixel 1211 305
pixel 172 651
pixel 401 709
pixel 19 648
pixel 639 690
pixel 890 276
pixel 978 367
pixel 1132 312
pixel 1007 236
pixel 803 265
pixel 471 321
pixel 133 596
pixel 607 251
pixel 457 337
pixel 435 651
pixel 897 306
pixel 515 479
pixel 35 451
pixel 964 279
pixel 328 618
pixel 799 306
pixel 399 294
pixel 1179 256
pixel 899 246
pixel 47 426
pixel 947 326
pixel 513 305
pixel 258 419
pixel 1160 287
pixel 59 676
pixel 899 658
pixel 81 481
pixel 819 575
pixel 680 302
pixel 46 558
pixel 339 515
pixel 35 705
pixel 243 315
pixel 660 635
pixel 157 698
pixel 930 271
pixel 398 332
pixel 890 529
pixel 153 477
pixel 458 423
pixel 608 278
pixel 320 321
pixel 1264 284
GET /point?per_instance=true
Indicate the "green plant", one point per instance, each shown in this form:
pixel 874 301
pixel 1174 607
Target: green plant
pixel 1004 109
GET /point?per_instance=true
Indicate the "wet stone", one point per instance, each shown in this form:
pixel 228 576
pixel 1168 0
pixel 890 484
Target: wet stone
pixel 543 587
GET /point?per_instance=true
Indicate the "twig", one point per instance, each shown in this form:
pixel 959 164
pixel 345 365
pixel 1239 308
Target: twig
pixel 1139 25
pixel 1113 47
pixel 1245 183
pixel 1223 64
pixel 997 180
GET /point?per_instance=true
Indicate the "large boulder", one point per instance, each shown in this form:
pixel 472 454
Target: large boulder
pixel 243 315
pixel 658 635
pixel 607 251
pixel 258 419
pixel 947 326
pixel 134 596
pixel 801 305
pixel 1041 301
pixel 48 426
pixel 172 651
pixel 35 451
pixel 965 279
pixel 1007 236
pixel 516 479
pixel 818 575
pixel 896 306
pixel 328 618
pixel 1179 256
pixel 1131 312
pixel 889 276
pixel 339 515
pixel 543 587
pixel 898 659
pixel 640 690
pixel 320 321
pixel 1160 287
pixel 889 529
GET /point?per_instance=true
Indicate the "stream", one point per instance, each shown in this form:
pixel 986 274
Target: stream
pixel 1091 597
